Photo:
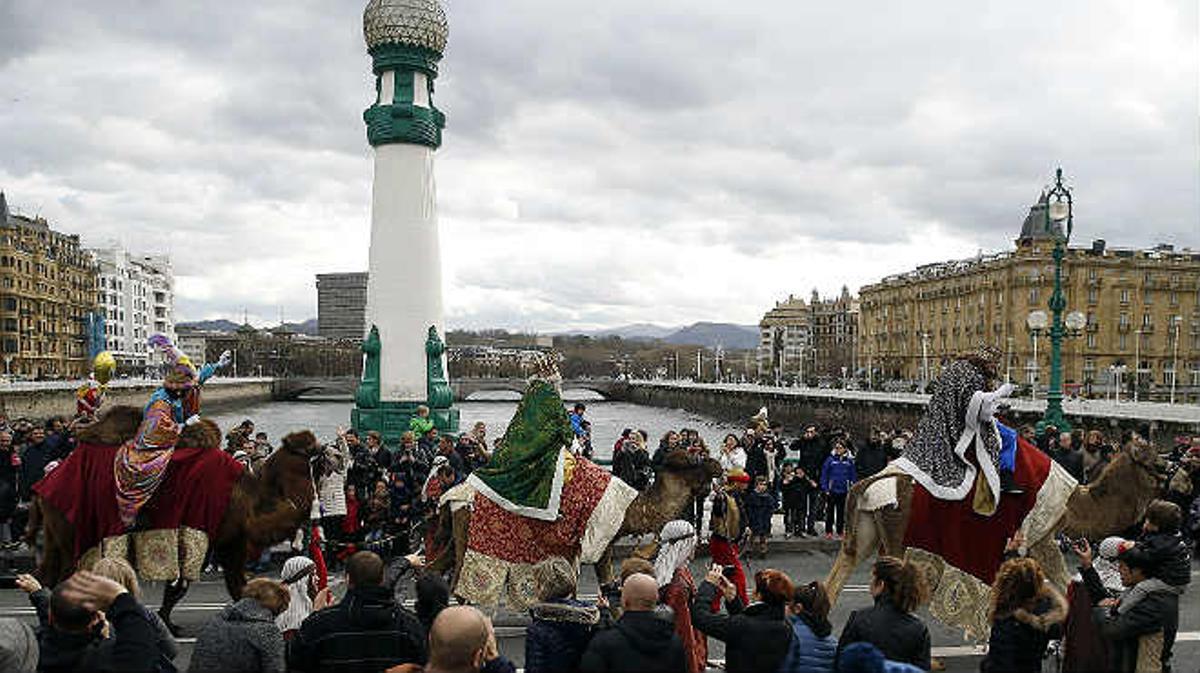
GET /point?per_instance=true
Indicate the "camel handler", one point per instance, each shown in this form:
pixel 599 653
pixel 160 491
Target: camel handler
pixel 727 528
pixel 141 463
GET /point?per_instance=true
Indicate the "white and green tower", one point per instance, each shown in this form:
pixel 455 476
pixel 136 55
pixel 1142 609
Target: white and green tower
pixel 404 361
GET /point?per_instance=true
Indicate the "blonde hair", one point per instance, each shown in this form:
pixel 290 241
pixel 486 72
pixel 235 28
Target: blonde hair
pixel 270 594
pixel 119 571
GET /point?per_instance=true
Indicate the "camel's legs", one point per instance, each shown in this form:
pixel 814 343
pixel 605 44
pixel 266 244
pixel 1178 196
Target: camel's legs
pixel 173 592
pixel 864 540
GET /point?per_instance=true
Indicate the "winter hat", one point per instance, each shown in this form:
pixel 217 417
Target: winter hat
pixel 861 658
pixel 18 646
pixel 1105 563
pixel 554 577
pixel 738 476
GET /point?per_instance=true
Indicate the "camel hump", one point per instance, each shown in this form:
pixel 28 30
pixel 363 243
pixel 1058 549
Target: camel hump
pixel 880 491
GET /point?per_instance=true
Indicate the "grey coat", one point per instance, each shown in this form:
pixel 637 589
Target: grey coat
pixel 242 638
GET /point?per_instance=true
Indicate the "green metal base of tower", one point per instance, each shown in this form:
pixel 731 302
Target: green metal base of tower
pixel 391 419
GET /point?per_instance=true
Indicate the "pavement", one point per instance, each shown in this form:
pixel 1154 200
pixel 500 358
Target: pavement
pixel 207 597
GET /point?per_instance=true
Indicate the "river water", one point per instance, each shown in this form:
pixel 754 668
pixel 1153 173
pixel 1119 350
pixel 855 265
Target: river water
pixel 494 409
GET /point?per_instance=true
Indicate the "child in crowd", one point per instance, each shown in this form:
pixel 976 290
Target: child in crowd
pixel 1164 545
pixel 794 491
pixel 377 511
pixel 760 505
pixel 837 475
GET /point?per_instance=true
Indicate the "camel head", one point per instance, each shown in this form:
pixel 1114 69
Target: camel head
pixel 1146 458
pixel 696 472
pixel 115 426
pixel 304 444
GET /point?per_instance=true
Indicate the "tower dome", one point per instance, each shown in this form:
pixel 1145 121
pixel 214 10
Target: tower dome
pixel 409 23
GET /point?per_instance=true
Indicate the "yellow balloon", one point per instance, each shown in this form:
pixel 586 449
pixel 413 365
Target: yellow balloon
pixel 105 365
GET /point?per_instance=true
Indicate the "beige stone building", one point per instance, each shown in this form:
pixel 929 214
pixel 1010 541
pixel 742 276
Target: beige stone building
pixel 811 341
pixel 47 290
pixel 1134 303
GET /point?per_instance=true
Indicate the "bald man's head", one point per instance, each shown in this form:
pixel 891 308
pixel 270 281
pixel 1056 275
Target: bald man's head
pixel 457 639
pixel 639 593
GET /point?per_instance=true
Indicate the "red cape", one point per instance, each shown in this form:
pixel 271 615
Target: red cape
pixel 972 542
pixel 194 492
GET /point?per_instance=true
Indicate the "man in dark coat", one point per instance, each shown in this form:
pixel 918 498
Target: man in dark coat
pixel 812 451
pixel 641 640
pixel 872 455
pixel 366 631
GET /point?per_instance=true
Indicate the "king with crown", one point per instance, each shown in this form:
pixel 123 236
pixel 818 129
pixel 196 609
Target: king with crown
pixel 140 463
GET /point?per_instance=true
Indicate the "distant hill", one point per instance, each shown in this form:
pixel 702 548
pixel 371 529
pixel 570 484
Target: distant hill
pixel 308 327
pixel 712 334
pixel 220 325
pixel 707 334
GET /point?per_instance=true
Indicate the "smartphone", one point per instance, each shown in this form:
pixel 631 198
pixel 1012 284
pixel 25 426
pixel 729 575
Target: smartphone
pixel 729 572
pixel 8 581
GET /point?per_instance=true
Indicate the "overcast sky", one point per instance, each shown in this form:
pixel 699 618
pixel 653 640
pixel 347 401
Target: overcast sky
pixel 603 163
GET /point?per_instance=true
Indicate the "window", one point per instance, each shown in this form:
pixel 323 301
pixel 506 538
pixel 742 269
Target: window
pixel 1123 338
pixel 1146 320
pixel 1092 273
pixel 1124 321
pixel 1091 318
pixel 1033 295
pixel 1125 295
pixel 1093 295
pixel 1148 297
pixel 1091 340
pixel 1174 298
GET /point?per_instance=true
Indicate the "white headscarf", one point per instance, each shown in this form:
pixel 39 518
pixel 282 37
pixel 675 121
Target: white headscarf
pixel 300 605
pixel 676 544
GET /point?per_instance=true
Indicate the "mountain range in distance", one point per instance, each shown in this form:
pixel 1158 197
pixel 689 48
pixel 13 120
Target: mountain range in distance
pixel 730 336
pixel 707 334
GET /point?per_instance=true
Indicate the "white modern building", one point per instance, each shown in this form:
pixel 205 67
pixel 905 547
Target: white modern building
pixel 137 294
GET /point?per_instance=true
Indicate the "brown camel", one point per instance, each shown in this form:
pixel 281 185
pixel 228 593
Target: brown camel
pixel 264 508
pixel 678 481
pixel 1107 506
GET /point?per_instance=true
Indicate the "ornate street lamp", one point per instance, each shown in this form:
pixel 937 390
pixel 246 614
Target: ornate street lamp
pixel 1058 213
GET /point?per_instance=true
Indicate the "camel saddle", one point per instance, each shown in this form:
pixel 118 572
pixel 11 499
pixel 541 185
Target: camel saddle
pixel 180 519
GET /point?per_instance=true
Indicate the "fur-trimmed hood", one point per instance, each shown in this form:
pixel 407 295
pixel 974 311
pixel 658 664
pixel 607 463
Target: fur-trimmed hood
pixel 1056 613
pixel 574 612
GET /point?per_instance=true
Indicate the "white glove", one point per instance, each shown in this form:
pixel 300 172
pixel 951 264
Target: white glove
pixel 987 410
pixel 192 420
pixel 225 359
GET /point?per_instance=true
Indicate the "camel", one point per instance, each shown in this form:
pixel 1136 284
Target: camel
pixel 1114 502
pixel 264 508
pixel 678 481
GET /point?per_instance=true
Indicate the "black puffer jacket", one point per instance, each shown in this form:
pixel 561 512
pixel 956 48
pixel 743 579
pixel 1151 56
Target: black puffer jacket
pixel 640 641
pixel 366 631
pixel 756 638
pixel 1170 555
pixel 899 635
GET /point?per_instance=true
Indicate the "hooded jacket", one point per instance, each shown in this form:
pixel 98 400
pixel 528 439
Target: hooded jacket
pixel 813 646
pixel 366 631
pixel 640 641
pixel 558 635
pixel 901 636
pixel 242 638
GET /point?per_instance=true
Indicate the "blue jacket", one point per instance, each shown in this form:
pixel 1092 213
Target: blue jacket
pixel 838 474
pixel 576 423
pixel 759 508
pixel 202 375
pixel 809 653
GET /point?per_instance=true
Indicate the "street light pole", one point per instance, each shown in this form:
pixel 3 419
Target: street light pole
pixel 1175 359
pixel 1137 362
pixel 1058 210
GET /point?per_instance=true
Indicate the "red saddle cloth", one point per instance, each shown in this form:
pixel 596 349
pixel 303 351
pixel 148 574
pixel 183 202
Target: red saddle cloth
pixel 971 542
pixel 194 492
